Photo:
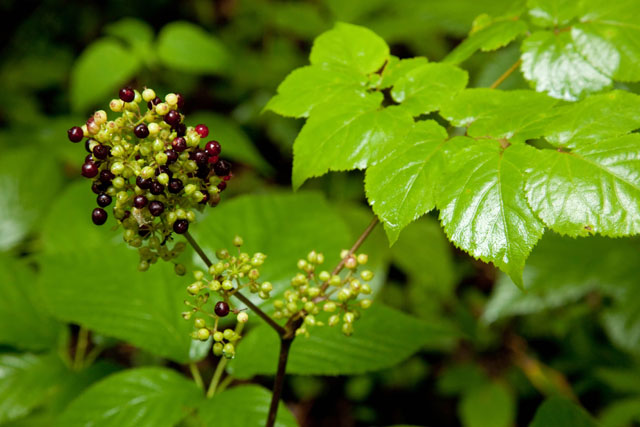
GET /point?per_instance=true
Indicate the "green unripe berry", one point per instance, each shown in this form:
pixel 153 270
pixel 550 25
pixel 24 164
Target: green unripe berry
pixel 119 182
pixel 180 269
pixel 219 267
pixel 161 159
pixel 116 105
pixel 198 275
pixel 190 165
pixel 197 196
pixel 351 263
pixel 238 241
pixel 329 306
pixel 335 280
pixel 365 303
pixel 324 276
pixel 199 323
pixel 154 128
pixel 180 213
pixel 366 275
pixel 171 217
pixel 218 336
pixel 194 288
pixel 264 295
pixel 189 189
pixel 227 285
pixel 217 349
pixel 154 242
pixel 313 291
pixel 229 334
pixel 349 317
pixel 163 178
pixel 362 259
pixel 147 172
pixel 310 320
pixel 203 334
pixel 148 95
pixel 312 257
pixel 309 307
pixel 320 258
pixel 216 285
pixel 186 315
pixel 254 274
pixel 278 304
pixel 162 108
pixel 229 350
pixel 171 99
pixel 344 294
pixel 222 254
pixel 334 320
pixel 365 289
pixel 292 306
pixel 266 287
pixel 158 145
pixel 347 328
pixel 242 317
pixel 117 168
pixel 143 266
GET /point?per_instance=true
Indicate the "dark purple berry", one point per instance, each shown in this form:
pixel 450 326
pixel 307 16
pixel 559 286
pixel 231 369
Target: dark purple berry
pixel 103 200
pixel 222 167
pixel 164 169
pixel 141 131
pixel 221 186
pixel 89 170
pixel 172 156
pixel 181 129
pixel 205 199
pixel 156 208
pixel 87 145
pixel 99 216
pixel 180 100
pixel 101 151
pixel 142 183
pixel 127 94
pixel 213 148
pixel 181 226
pixel 221 309
pixel 201 157
pixel 179 144
pixel 144 230
pixel 202 130
pixel 106 176
pixel 172 118
pixel 203 171
pixel 89 158
pixel 99 187
pixel 175 186
pixel 153 102
pixel 156 188
pixel 75 134
pixel 139 202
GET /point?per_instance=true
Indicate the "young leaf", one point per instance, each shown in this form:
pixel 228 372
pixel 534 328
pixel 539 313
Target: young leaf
pixel 99 71
pixel 398 68
pixel 495 35
pixel 491 404
pixel 137 33
pixel 352 46
pixel 187 47
pixel 403 186
pixel 559 412
pixel 382 338
pixel 552 13
pixel 593 119
pixel 243 406
pixel 21 307
pixel 426 88
pixel 516 115
pixel 27 381
pixel 553 63
pixel 139 397
pixel 483 207
pixel 353 134
pixel 308 87
pixel 595 188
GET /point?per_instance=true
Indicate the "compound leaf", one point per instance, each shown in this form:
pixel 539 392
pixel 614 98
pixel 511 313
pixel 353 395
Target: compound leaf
pixel 187 47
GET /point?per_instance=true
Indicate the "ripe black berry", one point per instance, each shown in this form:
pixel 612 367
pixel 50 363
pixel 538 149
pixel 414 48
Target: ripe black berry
pixel 139 202
pixel 156 188
pixel 156 208
pixel 127 94
pixel 143 183
pixel 154 101
pixel 175 186
pixel 221 186
pixel 89 170
pixel 221 309
pixel 222 167
pixel 172 118
pixel 172 156
pixel 144 230
pixel 103 200
pixel 99 187
pixel 87 145
pixel 213 148
pixel 141 131
pixel 202 130
pixel 106 176
pixel 181 129
pixel 180 100
pixel 99 216
pixel 181 226
pixel 179 144
pixel 75 134
pixel 201 157
pixel 164 169
pixel 203 171
pixel 101 152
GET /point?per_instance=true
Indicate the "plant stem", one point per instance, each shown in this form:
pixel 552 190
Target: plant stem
pixel 225 383
pixel 216 376
pixel 285 346
pixel 506 74
pixel 279 329
pixel 195 373
pixel 81 347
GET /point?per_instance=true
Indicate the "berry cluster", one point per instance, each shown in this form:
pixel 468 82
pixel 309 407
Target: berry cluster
pixel 151 164
pixel 338 295
pixel 228 275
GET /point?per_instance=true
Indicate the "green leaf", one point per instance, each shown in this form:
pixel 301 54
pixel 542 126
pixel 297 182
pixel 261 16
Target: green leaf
pixel 398 68
pixel 383 337
pixel 352 46
pixel 593 119
pixel 460 379
pixel 243 406
pixel 559 412
pixel 99 71
pixel 187 47
pixel 621 412
pixel 26 382
pixel 552 13
pixel 308 87
pixel 236 145
pixel 495 35
pixel 351 135
pixel 303 20
pixel 273 224
pixel 622 321
pixel 562 270
pixel 595 188
pixel 516 115
pixel 483 207
pixel 553 63
pixel 134 31
pixel 22 200
pixel 139 397
pixel 21 307
pixel 490 404
pixel 403 186
pixel 612 27
pixel 427 88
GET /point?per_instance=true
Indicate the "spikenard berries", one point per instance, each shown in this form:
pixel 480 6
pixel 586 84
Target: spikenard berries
pixel 151 169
